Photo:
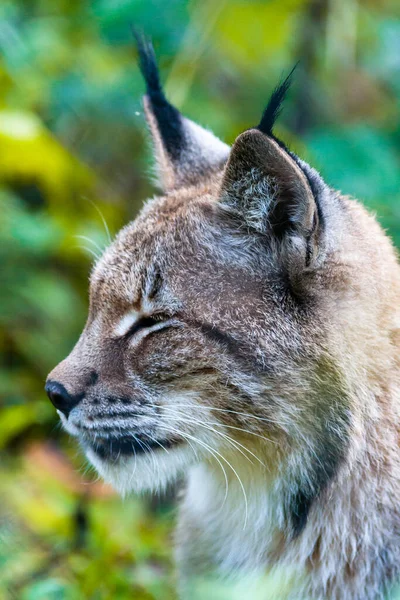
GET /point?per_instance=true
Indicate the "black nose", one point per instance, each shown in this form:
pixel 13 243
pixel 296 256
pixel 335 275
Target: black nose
pixel 61 399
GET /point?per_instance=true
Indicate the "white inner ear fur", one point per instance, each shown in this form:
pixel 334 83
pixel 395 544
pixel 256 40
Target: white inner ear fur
pixel 206 146
pixel 164 171
pixel 203 150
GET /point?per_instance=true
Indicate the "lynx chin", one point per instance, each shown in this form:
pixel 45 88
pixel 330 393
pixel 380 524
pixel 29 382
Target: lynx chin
pixel 243 334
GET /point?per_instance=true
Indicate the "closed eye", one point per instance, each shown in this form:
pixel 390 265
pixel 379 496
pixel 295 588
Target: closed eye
pixel 153 322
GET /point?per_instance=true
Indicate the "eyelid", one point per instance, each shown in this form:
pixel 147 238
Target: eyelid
pixel 148 322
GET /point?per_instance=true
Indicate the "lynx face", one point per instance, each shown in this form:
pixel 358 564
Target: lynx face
pixel 206 337
pixel 184 324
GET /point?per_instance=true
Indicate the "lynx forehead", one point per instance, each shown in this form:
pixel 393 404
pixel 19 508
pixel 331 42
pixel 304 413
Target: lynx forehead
pixel 243 333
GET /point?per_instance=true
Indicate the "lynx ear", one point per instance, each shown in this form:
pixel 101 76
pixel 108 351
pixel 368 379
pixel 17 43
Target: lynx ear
pixel 272 191
pixel 185 152
pixel 267 187
pixel 268 191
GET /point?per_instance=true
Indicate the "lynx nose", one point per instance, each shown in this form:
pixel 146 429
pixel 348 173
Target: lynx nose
pixel 61 399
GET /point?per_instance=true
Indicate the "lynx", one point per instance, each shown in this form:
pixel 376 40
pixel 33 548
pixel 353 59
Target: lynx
pixel 243 335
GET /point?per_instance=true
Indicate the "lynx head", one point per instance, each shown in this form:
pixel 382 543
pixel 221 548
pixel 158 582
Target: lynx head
pixel 207 335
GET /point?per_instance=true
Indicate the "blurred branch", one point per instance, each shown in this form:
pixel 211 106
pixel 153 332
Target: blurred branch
pixel 203 19
pixel 341 34
pixel 312 34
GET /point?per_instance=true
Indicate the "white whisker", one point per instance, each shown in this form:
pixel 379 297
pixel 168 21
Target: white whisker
pixel 234 471
pixel 153 439
pixel 101 217
pixel 134 469
pixel 87 239
pixel 96 256
pixel 226 410
pixel 248 431
pixel 193 438
pixel 235 443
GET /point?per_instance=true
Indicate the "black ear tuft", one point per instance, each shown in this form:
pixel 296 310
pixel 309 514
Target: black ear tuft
pixel 185 152
pixel 274 106
pixel 148 64
pixel 169 119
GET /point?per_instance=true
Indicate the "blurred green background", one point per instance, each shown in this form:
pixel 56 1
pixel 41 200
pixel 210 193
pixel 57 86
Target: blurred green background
pixel 73 148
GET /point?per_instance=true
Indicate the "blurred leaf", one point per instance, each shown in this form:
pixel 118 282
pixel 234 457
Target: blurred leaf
pixel 360 161
pixel 51 589
pixel 14 419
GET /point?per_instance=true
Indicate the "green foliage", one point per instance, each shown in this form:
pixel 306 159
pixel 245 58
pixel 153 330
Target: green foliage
pixel 72 147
